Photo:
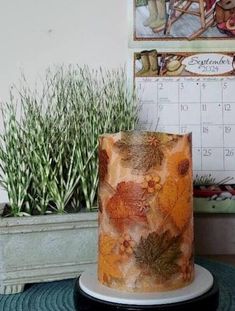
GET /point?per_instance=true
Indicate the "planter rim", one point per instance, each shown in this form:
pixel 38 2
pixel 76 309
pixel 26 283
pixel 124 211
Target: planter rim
pixel 47 219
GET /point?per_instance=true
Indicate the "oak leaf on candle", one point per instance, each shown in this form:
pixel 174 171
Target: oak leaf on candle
pixel 128 204
pixel 143 151
pixel 175 199
pixel 108 259
pixel 158 254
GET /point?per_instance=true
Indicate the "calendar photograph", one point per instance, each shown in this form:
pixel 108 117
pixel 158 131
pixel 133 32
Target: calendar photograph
pixel 194 92
pixel 183 19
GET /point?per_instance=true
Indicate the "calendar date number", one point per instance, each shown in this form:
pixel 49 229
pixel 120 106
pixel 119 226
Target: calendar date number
pixel 229 152
pixel 207 152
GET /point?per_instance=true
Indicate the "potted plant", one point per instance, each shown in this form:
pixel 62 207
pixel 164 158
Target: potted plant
pixel 48 161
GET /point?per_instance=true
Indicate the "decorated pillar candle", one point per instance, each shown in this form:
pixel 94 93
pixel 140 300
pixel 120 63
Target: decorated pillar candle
pixel 145 211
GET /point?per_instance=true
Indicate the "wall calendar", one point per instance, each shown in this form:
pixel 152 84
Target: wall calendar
pixel 191 92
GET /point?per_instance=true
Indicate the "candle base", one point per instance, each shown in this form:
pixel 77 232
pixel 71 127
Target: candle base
pixel 202 294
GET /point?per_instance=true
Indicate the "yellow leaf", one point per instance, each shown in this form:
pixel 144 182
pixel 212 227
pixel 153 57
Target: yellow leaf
pixel 175 201
pixel 106 244
pixel 108 266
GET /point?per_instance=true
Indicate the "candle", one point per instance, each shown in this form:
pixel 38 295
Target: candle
pixel 145 211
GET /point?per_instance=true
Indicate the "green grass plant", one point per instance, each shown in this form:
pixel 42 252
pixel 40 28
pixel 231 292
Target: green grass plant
pixel 48 151
pixel 141 2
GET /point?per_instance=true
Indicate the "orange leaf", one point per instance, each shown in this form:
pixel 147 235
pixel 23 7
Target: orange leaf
pixel 182 212
pixel 168 195
pixel 106 244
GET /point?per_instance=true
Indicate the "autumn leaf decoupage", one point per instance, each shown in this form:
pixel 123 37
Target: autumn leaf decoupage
pixel 145 212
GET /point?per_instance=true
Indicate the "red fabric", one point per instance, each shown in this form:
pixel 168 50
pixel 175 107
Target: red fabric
pixel 223 28
pixel 209 4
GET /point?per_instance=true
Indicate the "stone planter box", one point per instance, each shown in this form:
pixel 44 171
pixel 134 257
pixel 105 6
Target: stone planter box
pixel 45 248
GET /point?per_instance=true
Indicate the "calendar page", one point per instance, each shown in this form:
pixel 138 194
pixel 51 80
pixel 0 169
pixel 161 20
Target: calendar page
pixel 180 93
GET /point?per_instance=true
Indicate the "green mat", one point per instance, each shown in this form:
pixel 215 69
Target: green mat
pixel 58 296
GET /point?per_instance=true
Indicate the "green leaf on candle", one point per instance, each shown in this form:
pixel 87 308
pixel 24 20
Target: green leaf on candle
pixel 143 151
pixel 158 254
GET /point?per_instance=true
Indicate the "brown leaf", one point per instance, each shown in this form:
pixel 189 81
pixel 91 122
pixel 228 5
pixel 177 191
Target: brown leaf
pixel 103 164
pixel 127 205
pixel 130 191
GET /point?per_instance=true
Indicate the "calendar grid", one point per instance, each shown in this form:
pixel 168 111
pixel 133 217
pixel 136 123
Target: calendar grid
pixel 203 106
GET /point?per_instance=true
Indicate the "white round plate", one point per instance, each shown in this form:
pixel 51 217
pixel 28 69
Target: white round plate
pixel 202 283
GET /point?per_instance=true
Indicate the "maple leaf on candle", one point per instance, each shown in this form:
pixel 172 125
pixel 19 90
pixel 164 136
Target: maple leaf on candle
pixel 158 254
pixel 143 151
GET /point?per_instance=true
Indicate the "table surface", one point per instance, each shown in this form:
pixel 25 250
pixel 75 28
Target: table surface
pixel 227 259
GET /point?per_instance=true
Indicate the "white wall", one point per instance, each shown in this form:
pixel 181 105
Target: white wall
pixel 37 33
pixel 34 34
